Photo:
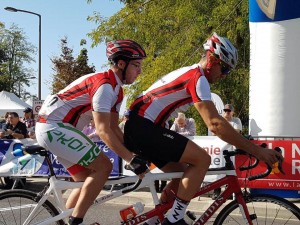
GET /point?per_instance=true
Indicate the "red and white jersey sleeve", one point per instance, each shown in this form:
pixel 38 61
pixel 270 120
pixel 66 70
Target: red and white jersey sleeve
pixel 100 92
pixel 172 93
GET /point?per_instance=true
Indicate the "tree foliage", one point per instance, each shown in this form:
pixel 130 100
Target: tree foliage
pixel 173 32
pixel 67 68
pixel 15 53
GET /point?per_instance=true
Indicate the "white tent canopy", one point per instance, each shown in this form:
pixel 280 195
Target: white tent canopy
pixel 11 103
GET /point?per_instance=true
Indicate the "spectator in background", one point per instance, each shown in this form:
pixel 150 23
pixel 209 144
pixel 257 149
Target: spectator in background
pixel 5 121
pixel 29 122
pixel 124 119
pixel 237 125
pixel 184 126
pixel 234 121
pixel 90 131
pixel 14 129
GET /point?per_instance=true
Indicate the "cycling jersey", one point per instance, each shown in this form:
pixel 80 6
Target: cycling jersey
pixel 70 108
pixel 174 92
pixel 146 132
pixel 100 92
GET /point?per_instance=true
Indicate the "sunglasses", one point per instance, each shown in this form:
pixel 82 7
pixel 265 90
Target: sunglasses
pixel 225 69
pixel 227 110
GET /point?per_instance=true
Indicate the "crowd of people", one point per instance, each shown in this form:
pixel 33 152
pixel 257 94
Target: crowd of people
pixel 14 127
pixel 146 136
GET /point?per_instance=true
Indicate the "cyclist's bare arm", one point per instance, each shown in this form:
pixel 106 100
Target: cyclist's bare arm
pixel 107 134
pixel 221 128
pixel 115 126
pixel 105 122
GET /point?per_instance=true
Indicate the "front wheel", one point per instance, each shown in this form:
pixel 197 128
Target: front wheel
pixel 16 205
pixel 266 209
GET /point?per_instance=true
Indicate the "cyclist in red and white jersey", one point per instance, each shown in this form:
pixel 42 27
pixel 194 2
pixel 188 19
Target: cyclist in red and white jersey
pixel 146 132
pixel 97 96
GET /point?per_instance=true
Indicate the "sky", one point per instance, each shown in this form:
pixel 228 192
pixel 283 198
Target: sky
pixel 60 18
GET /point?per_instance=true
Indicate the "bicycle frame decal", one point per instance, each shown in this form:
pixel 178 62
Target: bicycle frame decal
pixel 232 188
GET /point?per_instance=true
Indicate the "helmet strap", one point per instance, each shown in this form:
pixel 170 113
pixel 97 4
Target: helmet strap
pixel 124 72
pixel 211 61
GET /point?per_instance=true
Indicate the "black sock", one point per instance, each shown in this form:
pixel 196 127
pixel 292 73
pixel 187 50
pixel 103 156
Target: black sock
pixel 74 220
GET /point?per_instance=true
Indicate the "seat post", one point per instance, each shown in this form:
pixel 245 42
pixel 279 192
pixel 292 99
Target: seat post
pixel 50 166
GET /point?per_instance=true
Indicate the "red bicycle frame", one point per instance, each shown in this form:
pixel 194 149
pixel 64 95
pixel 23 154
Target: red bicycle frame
pixel 233 187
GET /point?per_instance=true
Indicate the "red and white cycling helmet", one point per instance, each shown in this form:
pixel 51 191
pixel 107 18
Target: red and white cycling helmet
pixel 223 48
pixel 124 49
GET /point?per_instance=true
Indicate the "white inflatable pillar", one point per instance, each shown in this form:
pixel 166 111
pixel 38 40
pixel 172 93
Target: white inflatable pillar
pixel 274 108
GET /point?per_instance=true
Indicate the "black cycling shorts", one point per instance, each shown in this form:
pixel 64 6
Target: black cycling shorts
pixel 152 142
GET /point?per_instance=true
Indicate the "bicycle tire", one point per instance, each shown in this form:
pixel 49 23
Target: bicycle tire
pixel 15 206
pixel 269 209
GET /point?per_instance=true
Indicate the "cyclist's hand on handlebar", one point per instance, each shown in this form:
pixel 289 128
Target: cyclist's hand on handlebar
pixel 269 156
pixel 138 165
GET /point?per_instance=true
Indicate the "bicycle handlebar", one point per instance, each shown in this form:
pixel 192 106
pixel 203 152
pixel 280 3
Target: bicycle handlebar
pixel 227 154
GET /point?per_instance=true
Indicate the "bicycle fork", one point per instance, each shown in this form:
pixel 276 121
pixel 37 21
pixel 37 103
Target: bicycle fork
pixel 232 188
pixel 244 209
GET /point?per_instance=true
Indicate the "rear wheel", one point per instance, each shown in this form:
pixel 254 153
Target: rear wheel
pixel 267 209
pixel 16 205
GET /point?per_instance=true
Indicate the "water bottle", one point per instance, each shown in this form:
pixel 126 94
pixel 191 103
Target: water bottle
pixel 189 217
pixel 17 150
pixel 131 211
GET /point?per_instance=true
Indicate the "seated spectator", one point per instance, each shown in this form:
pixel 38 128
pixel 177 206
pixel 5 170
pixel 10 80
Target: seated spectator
pixel 90 131
pixel 124 119
pixel 184 126
pixel 14 129
pixel 29 122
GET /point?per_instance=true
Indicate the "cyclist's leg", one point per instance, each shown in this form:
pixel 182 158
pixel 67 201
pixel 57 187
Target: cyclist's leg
pixel 74 195
pixel 199 162
pixel 169 192
pixel 72 147
pixel 191 180
pixel 94 180
pixel 162 146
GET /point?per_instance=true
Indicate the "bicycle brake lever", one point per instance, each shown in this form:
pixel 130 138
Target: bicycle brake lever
pixel 280 160
pixel 263 145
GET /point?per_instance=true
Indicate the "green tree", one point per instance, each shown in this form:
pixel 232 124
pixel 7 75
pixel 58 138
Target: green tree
pixel 67 68
pixel 3 57
pixel 16 54
pixel 173 32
